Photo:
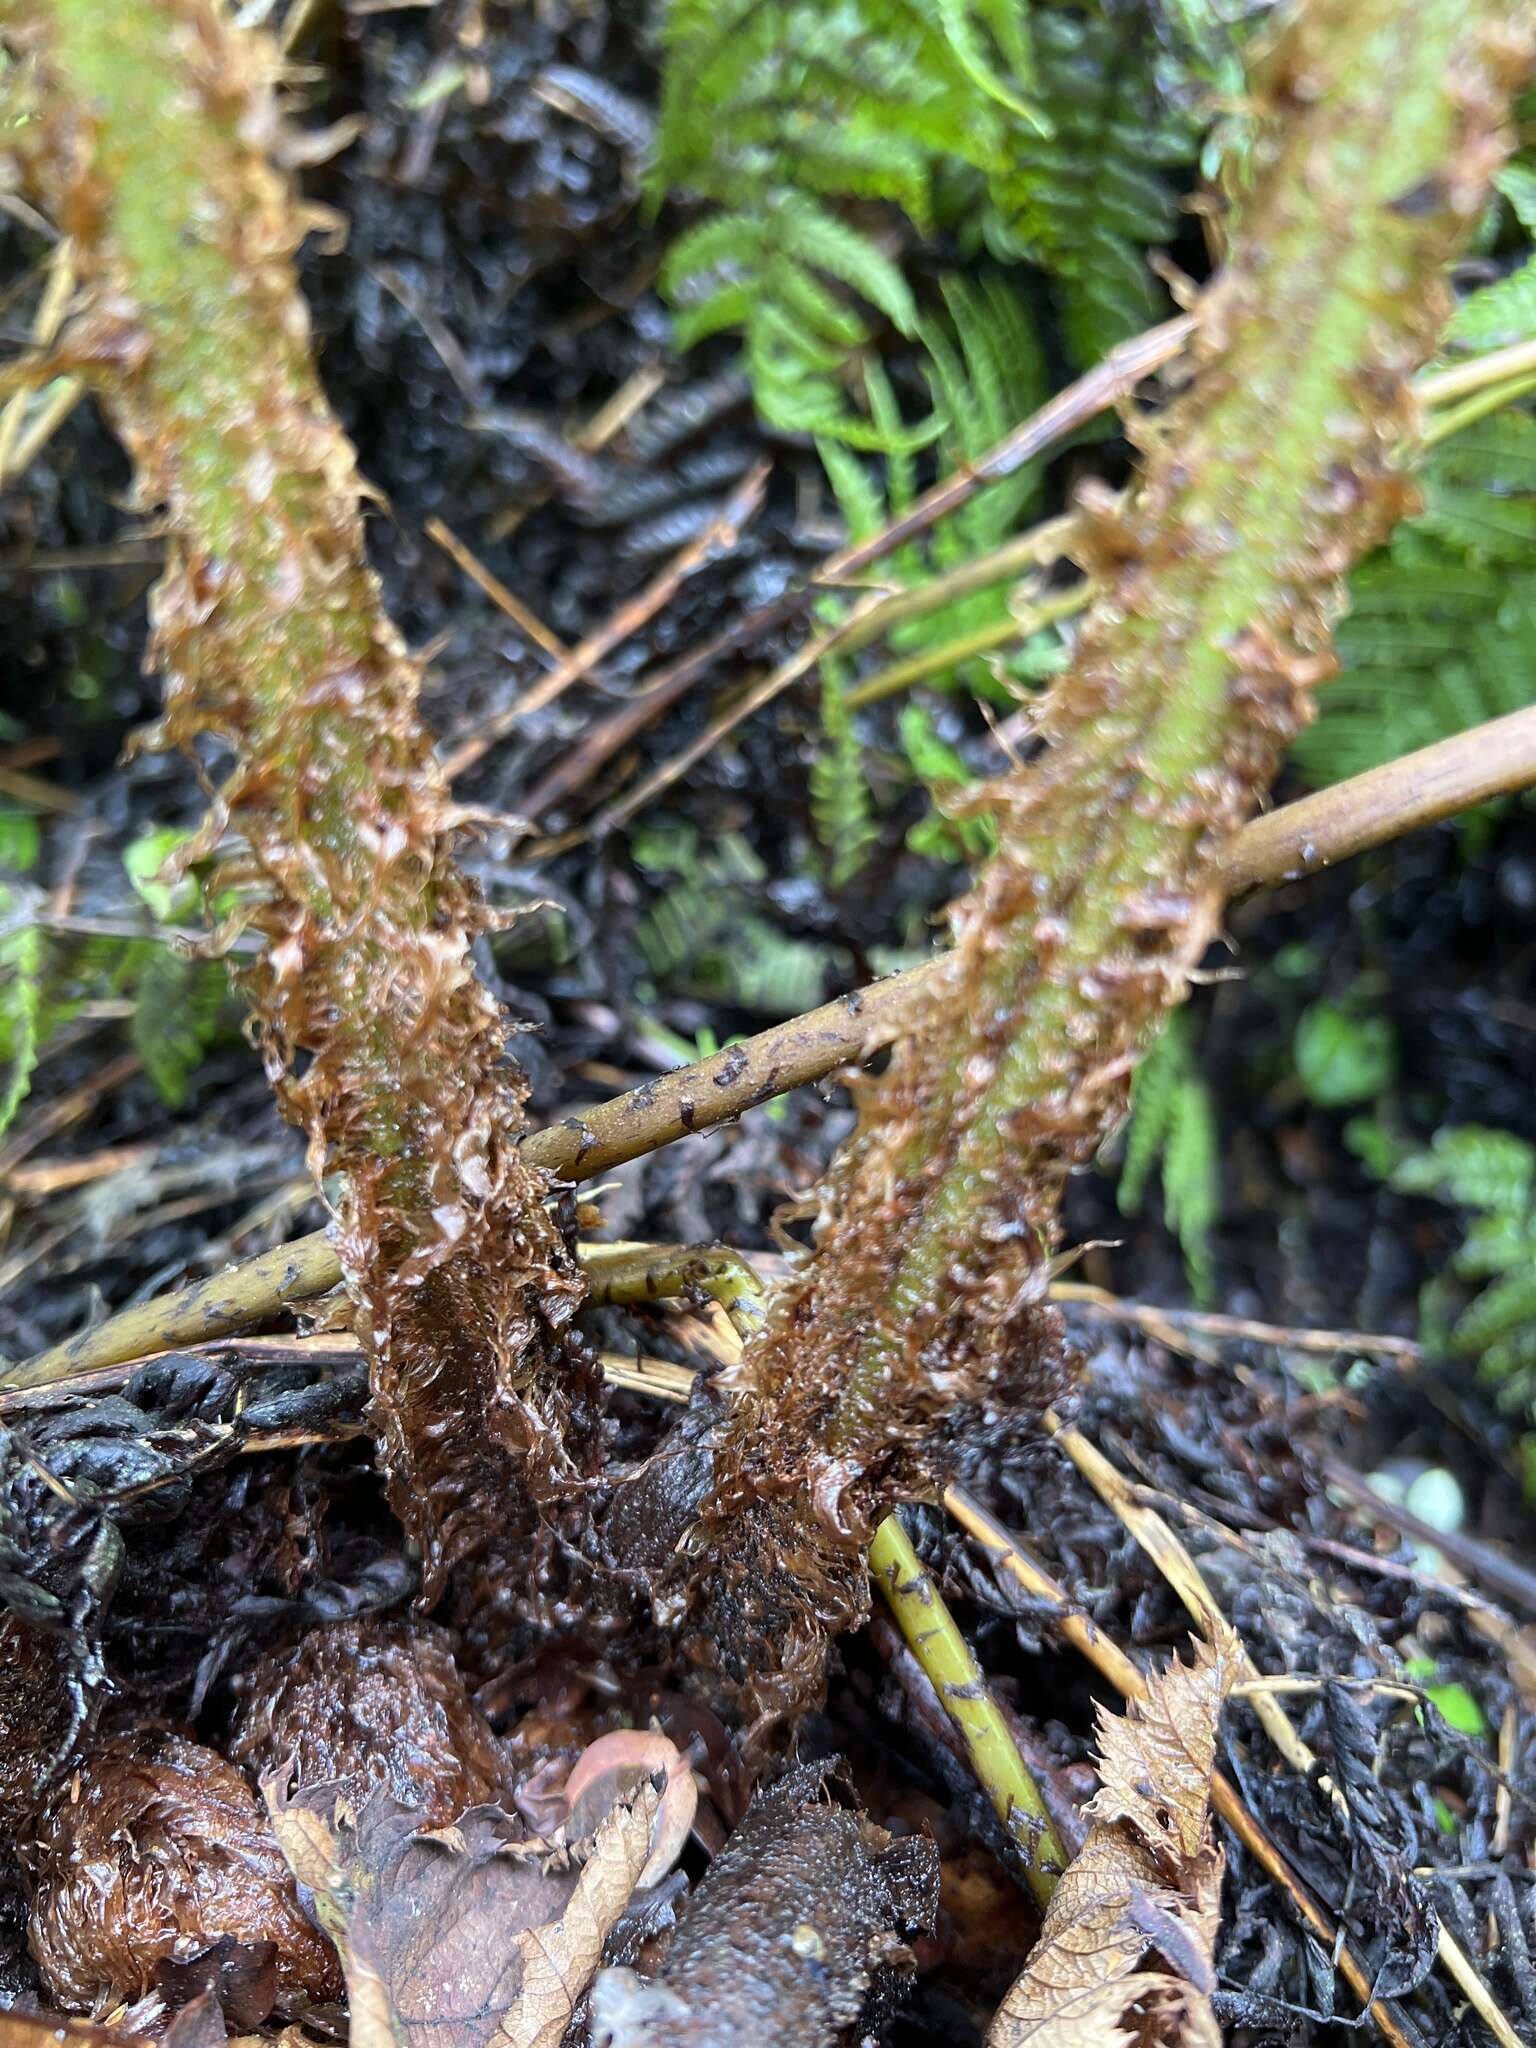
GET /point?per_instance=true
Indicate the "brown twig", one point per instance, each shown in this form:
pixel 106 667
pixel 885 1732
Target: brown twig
pixel 526 621
pixel 1108 383
pixel 1036 549
pixel 1353 815
pixel 1469 768
pixel 718 537
pixel 1168 1323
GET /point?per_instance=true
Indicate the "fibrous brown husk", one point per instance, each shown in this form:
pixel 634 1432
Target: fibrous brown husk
pixel 367 1704
pixel 154 1853
pixel 799 1920
pixel 39 1714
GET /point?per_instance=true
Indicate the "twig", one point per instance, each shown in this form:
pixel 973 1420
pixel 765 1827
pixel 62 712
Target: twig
pixel 1163 1322
pixel 1498 366
pixel 1493 759
pixel 31 789
pixel 525 620
pixel 934 1637
pixel 1037 549
pixel 67 1109
pixel 718 537
pixel 1107 384
pixel 1009 1556
pixel 1174 1561
pixel 1018 625
pixel 1325 827
pixel 749 701
pixel 1505 1576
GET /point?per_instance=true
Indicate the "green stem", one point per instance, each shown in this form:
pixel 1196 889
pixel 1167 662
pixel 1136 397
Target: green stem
pixel 1475 407
pixel 935 1640
pixel 936 661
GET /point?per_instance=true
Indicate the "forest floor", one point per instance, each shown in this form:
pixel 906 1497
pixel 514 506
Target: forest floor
pixel 490 333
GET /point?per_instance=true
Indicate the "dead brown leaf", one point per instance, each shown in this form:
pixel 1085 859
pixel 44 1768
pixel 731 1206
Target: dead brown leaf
pixel 462 1937
pixel 1148 1880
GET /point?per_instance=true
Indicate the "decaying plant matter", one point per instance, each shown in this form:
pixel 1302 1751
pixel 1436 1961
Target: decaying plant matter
pixel 366 1704
pixel 1147 1878
pixel 153 148
pixel 154 1856
pixel 921 1317
pixel 797 1929
pixel 473 1937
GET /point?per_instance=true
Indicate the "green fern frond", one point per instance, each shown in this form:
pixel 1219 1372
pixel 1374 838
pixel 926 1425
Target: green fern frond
pixel 1493 1174
pixel 21 1002
pixel 1086 202
pixel 1441 622
pixel 1505 311
pixel 1473 1167
pixel 840 801
pixel 1173 1127
pixel 940 770
pixel 178 1006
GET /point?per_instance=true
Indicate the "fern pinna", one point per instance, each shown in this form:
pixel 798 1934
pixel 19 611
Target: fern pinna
pixel 1441 621
pixel 1041 131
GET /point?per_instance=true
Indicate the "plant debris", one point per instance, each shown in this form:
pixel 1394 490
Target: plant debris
pixel 155 1865
pixel 1147 1878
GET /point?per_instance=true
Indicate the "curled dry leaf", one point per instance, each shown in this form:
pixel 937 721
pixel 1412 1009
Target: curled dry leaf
pixel 467 1936
pixel 1147 1882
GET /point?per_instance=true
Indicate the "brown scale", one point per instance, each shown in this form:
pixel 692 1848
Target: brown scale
pixel 39 1717
pixel 154 1854
pixel 371 1704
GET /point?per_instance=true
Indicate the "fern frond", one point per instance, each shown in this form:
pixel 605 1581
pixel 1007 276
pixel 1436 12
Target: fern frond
pixel 1087 202
pixel 21 997
pixel 840 802
pixel 1173 1127
pixel 1475 1168
pixel 177 1008
pixel 1441 623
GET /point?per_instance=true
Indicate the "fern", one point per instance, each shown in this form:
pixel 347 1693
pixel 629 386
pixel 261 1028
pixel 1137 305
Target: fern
pixel 21 1003
pixel 1048 128
pixel 1086 200
pixel 1505 311
pixel 177 1013
pixel 840 802
pixel 940 770
pixel 771 109
pixel 984 372
pixel 1492 1173
pixel 1173 1128
pixel 1442 621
